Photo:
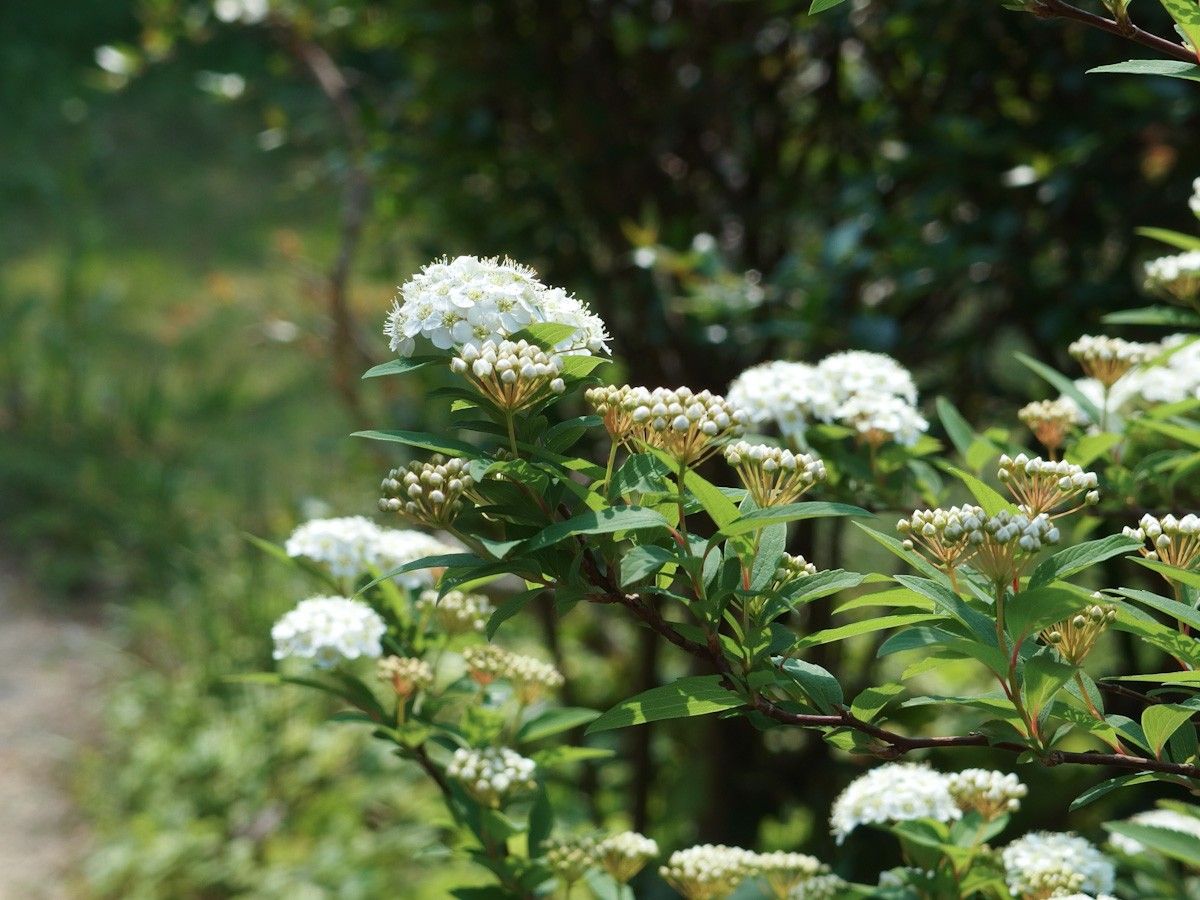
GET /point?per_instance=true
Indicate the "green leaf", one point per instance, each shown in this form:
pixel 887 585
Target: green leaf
pixel 1173 844
pixel 1097 791
pixel 541 819
pixel 1154 315
pixel 1173 608
pixel 1174 239
pixel 1186 677
pixel 694 695
pixel 641 473
pixel 404 366
pixel 439 561
pixel 1064 384
pixel 1073 560
pixel 957 428
pixel 545 334
pixel 422 441
pixel 577 366
pixel 718 507
pixel 555 721
pixel 1183 576
pixel 952 604
pixel 1186 14
pixel 1042 676
pixel 563 755
pixel 1189 436
pixel 1167 67
pixel 1091 447
pixel 642 561
pixel 918 562
pixel 604 521
pixel 871 702
pixel 819 6
pixel 792 512
pixel 1029 611
pixel 865 626
pixel 991 500
pixel 817 683
pixel 509 608
pixel 1162 720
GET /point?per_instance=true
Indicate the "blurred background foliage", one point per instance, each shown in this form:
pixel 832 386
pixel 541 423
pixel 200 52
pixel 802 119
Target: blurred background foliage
pixel 203 222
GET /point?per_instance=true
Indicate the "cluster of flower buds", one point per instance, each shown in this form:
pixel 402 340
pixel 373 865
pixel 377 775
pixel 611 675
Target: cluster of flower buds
pixel 1178 276
pixel 1107 359
pixel 530 677
pixel 457 612
pixel 820 887
pixel 427 492
pixel 946 536
pixel 570 858
pixel 774 477
pixel 791 568
pixel 625 853
pixel 514 376
pixel 405 674
pixel 1007 540
pixel 784 872
pixel 492 775
pixel 1075 637
pixel 615 406
pixel 1173 541
pixel 687 425
pixel 986 791
pixel 1050 420
pixel 1041 486
pixel 707 871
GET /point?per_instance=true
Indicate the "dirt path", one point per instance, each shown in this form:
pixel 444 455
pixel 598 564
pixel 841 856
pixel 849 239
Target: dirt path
pixel 51 669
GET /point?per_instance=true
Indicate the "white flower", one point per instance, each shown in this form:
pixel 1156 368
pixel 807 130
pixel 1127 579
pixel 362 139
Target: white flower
pixel 346 546
pixel 785 394
pixel 1194 203
pixel 457 612
pixel 707 871
pixel 862 372
pixel 819 887
pixel 1156 818
pixel 895 792
pixel 1107 358
pixel 883 417
pixel 451 303
pixel 353 545
pixel 328 630
pixel 1177 276
pixel 492 775
pixel 988 792
pixel 1046 864
pixel 625 853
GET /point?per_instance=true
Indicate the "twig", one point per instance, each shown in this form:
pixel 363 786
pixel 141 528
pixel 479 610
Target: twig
pixel 1056 9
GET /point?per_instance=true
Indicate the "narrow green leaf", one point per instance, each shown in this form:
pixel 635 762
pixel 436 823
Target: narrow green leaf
pixel 404 366
pixel 819 6
pixel 1174 844
pixel 509 608
pixel 1064 384
pixel 439 561
pixel 1042 676
pixel 1174 239
pixel 818 684
pixel 718 507
pixel 643 561
pixel 987 497
pixel 865 626
pixel 957 429
pixel 1154 315
pixel 1091 447
pixel 545 334
pixel 695 695
pixel 792 512
pixel 1162 720
pixel 555 721
pixel 952 604
pixel 871 702
pixel 1183 434
pixel 1186 677
pixel 1169 68
pixel 422 441
pixel 605 521
pixel 1179 611
pixel 1097 791
pixel 1183 576
pixel 918 562
pixel 1073 560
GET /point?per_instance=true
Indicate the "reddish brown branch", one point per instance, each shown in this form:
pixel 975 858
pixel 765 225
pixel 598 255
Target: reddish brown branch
pixel 1056 9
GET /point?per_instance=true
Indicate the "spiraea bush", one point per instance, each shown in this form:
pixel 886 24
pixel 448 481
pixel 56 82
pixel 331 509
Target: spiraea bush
pixel 673 506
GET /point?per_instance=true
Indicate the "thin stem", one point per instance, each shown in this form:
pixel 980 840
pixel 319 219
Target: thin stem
pixel 608 469
pixel 512 433
pixel 680 477
pixel 1056 9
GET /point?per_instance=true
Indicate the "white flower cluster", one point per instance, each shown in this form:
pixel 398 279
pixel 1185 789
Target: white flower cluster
pixel 457 612
pixel 707 871
pixel 405 674
pixel 1175 378
pixel 570 858
pixel 467 300
pixel 784 872
pixel 1049 864
pixel 820 887
pixel 353 545
pixel 1174 541
pixel 987 792
pixel 685 424
pixel 511 375
pixel 773 476
pixel 1040 485
pixel 786 394
pixel 530 676
pixel 328 630
pixel 869 392
pixel 894 792
pixel 398 547
pixel 431 491
pixel 791 568
pixel 1167 819
pixel 625 853
pixel 1050 420
pixel 1194 202
pixel 1177 276
pixel 1107 358
pixel 492 775
pixel 1008 536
